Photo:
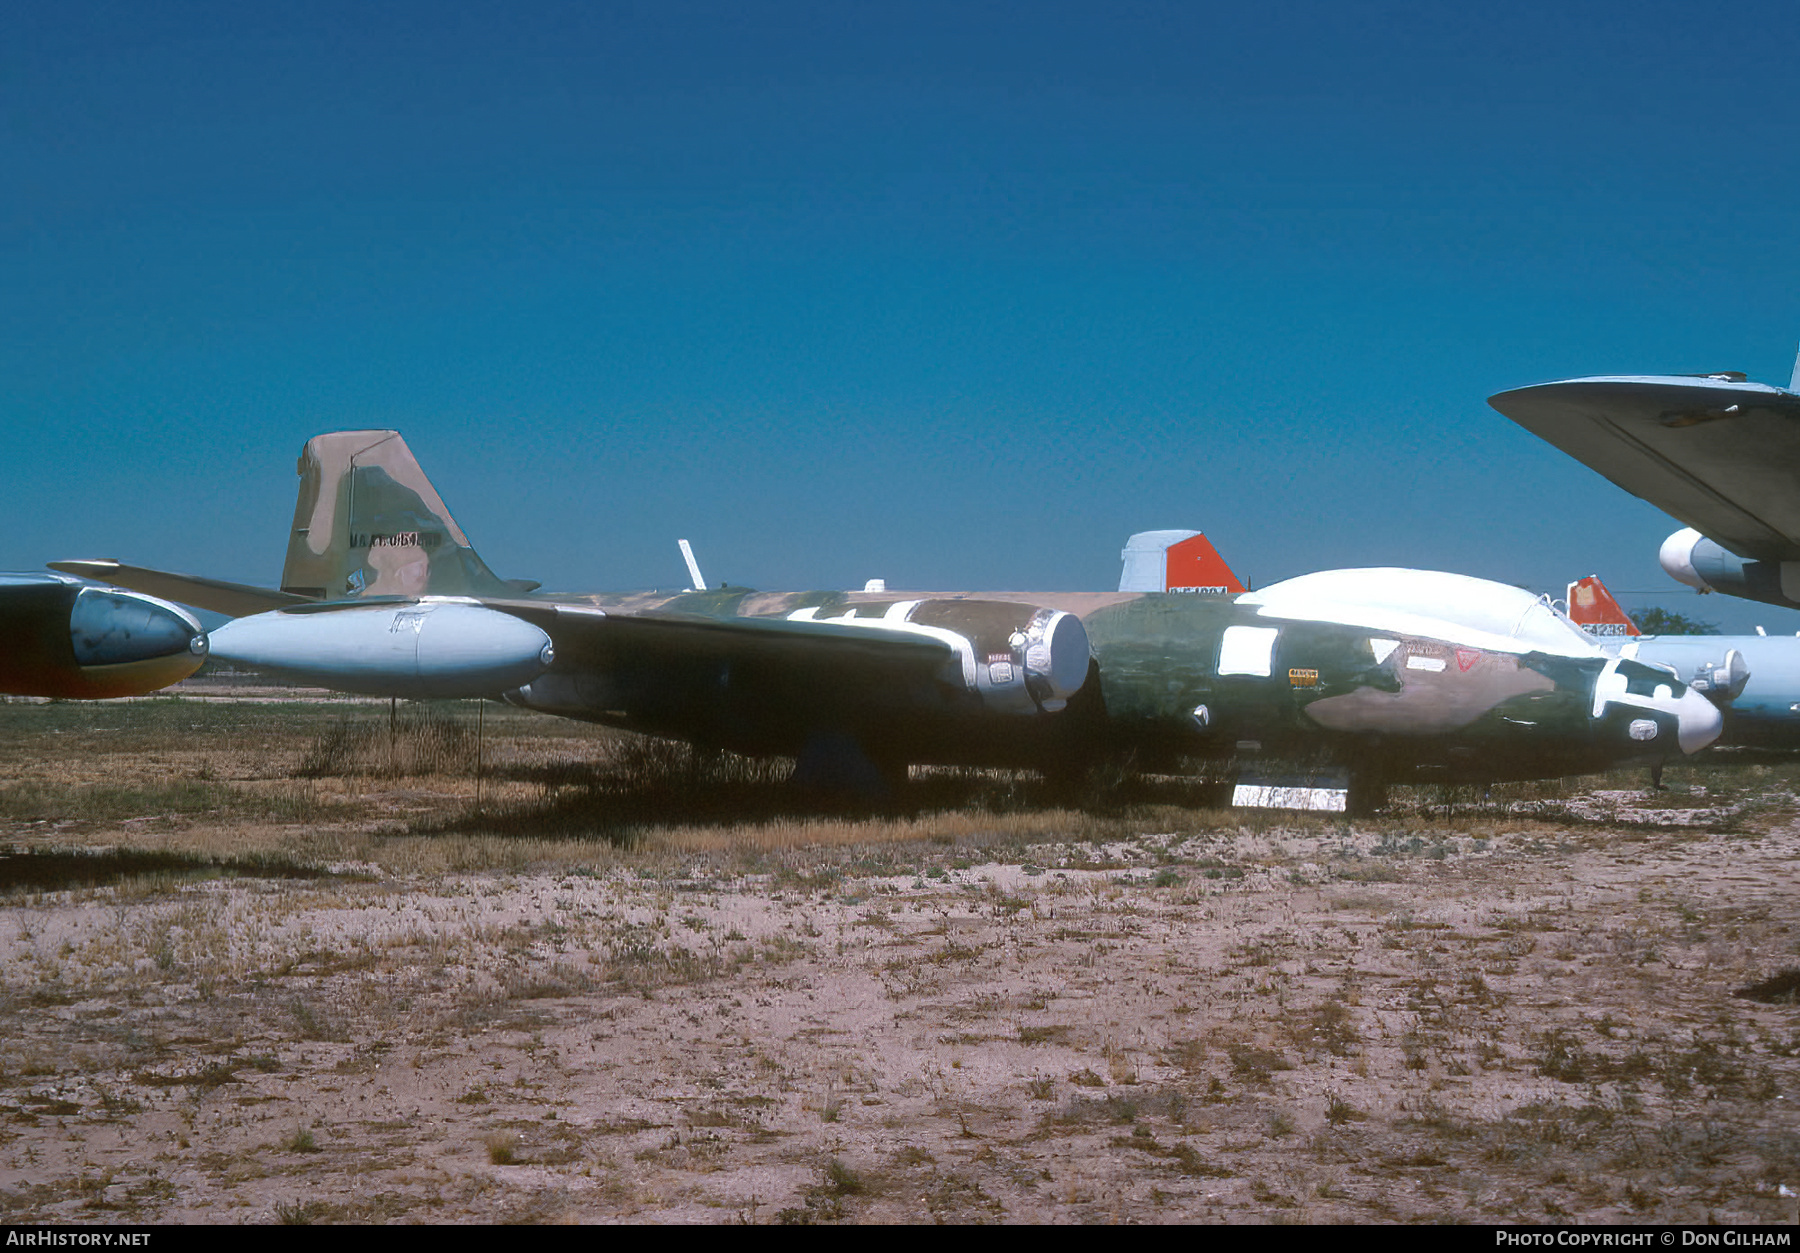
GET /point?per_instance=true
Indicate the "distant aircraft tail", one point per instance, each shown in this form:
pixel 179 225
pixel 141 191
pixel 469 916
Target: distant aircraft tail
pixel 1593 609
pixel 369 523
pixel 1175 561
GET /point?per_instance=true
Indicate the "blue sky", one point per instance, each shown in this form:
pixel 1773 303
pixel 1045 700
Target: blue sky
pixel 957 295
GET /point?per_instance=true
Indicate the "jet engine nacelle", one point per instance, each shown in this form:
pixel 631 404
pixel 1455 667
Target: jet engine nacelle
pixel 424 650
pixel 1020 659
pixel 62 639
pixel 1689 557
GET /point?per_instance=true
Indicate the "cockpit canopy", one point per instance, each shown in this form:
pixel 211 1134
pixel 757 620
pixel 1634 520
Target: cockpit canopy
pixel 1452 607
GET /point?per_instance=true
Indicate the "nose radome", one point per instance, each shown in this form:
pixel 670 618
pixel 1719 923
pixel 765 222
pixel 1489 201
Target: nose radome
pixel 1698 722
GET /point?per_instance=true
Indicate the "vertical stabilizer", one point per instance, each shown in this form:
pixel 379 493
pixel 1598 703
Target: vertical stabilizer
pixel 1175 561
pixel 1593 609
pixel 1794 379
pixel 369 523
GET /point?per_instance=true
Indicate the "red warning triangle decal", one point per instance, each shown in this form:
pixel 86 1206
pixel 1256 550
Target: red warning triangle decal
pixel 1466 657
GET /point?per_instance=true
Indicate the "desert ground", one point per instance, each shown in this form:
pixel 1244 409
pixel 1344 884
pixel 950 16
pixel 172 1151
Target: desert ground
pixel 269 957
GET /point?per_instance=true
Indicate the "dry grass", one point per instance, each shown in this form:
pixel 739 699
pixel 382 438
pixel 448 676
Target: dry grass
pixel 232 991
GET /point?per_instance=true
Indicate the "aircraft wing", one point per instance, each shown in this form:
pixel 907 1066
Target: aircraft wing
pixel 235 600
pixel 800 665
pixel 590 663
pixel 1721 455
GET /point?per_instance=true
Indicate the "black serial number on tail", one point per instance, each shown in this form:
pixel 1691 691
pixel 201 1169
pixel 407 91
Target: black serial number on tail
pixel 405 539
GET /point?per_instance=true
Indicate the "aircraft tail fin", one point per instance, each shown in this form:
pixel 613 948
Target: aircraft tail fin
pixel 1794 381
pixel 369 523
pixel 1593 609
pixel 1175 561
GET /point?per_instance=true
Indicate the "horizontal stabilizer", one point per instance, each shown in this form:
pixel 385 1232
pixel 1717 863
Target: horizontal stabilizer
pixel 1593 609
pixel 235 600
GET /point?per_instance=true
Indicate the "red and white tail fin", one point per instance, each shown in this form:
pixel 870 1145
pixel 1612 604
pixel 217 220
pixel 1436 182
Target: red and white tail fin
pixel 1175 561
pixel 1593 609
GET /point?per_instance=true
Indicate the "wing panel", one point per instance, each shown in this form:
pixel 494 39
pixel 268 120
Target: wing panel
pixel 758 683
pixel 1723 457
pixel 236 600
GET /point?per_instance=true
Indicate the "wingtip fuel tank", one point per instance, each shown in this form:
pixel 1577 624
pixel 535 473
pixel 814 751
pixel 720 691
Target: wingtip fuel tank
pixel 416 650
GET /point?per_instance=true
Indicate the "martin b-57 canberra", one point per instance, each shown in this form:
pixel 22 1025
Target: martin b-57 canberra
pixel 1364 677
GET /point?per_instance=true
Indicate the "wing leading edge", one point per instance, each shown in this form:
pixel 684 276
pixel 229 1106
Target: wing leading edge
pixel 235 600
pixel 1717 452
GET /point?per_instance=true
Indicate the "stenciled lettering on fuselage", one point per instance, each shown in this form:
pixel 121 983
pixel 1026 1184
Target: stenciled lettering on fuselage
pixel 1202 591
pixel 404 539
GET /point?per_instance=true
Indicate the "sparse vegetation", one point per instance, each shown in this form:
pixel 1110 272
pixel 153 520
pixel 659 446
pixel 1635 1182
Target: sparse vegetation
pixel 1518 1007
pixel 502 1147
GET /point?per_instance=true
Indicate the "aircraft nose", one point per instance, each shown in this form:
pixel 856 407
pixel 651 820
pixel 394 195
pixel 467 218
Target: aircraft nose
pixel 1698 722
pixel 110 628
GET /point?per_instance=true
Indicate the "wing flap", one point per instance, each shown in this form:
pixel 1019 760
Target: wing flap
pixel 581 633
pixel 762 683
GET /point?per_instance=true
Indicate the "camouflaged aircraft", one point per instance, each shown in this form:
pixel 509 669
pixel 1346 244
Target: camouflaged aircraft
pixel 1358 678
pixel 1754 679
pixel 64 639
pixel 1718 452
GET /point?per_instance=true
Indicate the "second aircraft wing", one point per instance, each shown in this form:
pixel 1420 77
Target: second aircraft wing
pixel 1718 453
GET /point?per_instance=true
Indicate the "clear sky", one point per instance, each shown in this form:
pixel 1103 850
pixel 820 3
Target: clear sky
pixel 958 295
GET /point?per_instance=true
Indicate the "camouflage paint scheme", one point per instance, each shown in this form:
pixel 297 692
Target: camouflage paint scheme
pixel 64 640
pixel 1755 679
pixel 1386 674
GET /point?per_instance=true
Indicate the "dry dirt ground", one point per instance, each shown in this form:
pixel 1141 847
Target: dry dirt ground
pixel 232 995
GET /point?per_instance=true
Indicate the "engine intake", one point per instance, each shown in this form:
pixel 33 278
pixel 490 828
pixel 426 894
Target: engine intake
pixel 1021 659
